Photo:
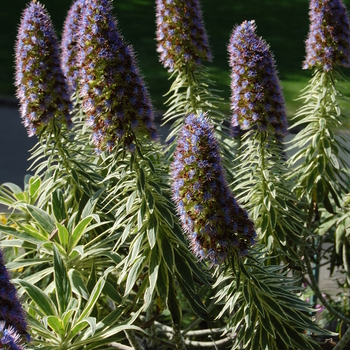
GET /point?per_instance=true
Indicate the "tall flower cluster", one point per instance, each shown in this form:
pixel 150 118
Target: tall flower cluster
pixel 181 34
pixel 216 225
pixel 257 99
pixel 11 311
pixel 9 338
pixel 328 42
pixel 41 86
pixel 115 99
pixel 69 45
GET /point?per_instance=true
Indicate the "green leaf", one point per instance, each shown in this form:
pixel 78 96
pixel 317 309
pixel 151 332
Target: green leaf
pixel 339 236
pixel 34 185
pixel 42 218
pixel 152 231
pixel 63 235
pixel 78 232
pixel 134 274
pixel 43 302
pixel 167 252
pixel 173 303
pixel 95 294
pixel 62 283
pixel 165 214
pixel 150 201
pixel 130 201
pixel 77 283
pixel 56 324
pixel 163 283
pixel 91 203
pixel 142 179
pixel 58 206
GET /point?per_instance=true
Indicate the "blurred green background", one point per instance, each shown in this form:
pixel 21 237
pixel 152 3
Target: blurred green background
pixel 282 23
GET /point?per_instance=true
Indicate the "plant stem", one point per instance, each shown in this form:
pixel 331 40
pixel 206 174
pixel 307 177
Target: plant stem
pixel 133 340
pixel 178 338
pixel 318 293
pixel 343 341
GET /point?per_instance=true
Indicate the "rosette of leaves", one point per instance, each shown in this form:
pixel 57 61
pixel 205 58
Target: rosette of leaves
pixel 328 42
pixel 216 225
pixel 11 312
pixel 181 34
pixel 114 97
pixel 41 85
pixel 256 100
pixel 70 45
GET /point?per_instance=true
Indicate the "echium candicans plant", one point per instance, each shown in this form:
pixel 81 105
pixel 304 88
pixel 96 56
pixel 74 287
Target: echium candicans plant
pixel 216 225
pixel 12 316
pixel 114 97
pixel 183 48
pixel 258 109
pixel 69 45
pixel 41 85
pixel 317 167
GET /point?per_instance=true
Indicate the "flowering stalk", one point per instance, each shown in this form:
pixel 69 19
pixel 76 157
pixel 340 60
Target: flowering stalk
pixel 183 47
pixel 328 42
pixel 41 85
pixel 114 97
pixel 258 108
pixel 70 45
pixel 257 99
pixel 317 165
pixel 11 312
pixel 216 225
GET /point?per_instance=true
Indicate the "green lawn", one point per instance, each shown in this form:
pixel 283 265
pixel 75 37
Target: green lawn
pixel 282 23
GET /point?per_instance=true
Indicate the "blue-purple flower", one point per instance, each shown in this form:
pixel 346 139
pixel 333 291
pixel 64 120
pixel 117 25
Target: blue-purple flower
pixel 11 311
pixel 328 42
pixel 256 99
pixel 214 222
pixel 9 338
pixel 41 86
pixel 70 46
pixel 181 34
pixel 115 99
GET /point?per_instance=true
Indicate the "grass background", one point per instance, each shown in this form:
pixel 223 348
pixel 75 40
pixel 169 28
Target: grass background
pixel 282 23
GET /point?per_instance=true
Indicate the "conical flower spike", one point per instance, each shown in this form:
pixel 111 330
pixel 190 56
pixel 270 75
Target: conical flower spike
pixel 115 99
pixel 257 99
pixel 41 85
pixel 181 34
pixel 11 311
pixel 216 225
pixel 328 42
pixel 69 45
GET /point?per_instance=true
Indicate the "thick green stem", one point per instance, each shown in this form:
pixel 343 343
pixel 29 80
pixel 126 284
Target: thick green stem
pixel 133 340
pixel 180 344
pixel 343 341
pixel 317 291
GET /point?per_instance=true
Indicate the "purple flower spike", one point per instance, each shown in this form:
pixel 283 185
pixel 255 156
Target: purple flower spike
pixel 69 45
pixel 41 86
pixel 11 311
pixel 115 99
pixel 9 338
pixel 181 34
pixel 257 99
pixel 216 225
pixel 328 42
